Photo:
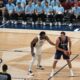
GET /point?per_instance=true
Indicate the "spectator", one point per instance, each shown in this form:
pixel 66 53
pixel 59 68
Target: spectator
pixel 14 1
pixel 1 9
pixel 29 11
pixel 59 11
pixel 55 3
pixel 23 2
pixel 78 2
pixel 34 3
pixel 43 3
pixel 49 2
pixel 9 10
pixel 5 2
pixel 1 4
pixel 48 11
pixel 4 75
pixel 67 4
pixel 39 12
pixel 76 11
pixel 19 12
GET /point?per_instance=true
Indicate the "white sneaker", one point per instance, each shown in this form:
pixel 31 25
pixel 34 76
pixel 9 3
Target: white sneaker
pixel 36 23
pixel 15 22
pixel 24 23
pixel 52 74
pixel 40 67
pixel 41 23
pixel 12 21
pixel 71 73
pixel 50 24
pixel 70 24
pixel 30 73
pixel 59 23
pixel 32 23
pixel 55 23
pixel 44 23
pixel 8 21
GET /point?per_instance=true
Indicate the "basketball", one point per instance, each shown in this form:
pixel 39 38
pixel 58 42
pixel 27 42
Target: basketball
pixel 69 53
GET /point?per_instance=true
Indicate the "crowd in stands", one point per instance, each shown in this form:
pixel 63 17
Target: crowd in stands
pixel 41 10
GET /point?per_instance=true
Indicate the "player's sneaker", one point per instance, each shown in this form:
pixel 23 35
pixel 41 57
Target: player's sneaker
pixel 40 67
pixel 52 74
pixel 30 73
pixel 71 73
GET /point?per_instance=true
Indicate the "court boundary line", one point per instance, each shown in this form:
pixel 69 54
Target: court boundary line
pixel 29 31
pixel 63 67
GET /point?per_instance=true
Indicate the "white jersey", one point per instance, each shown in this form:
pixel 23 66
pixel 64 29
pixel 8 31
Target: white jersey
pixel 39 43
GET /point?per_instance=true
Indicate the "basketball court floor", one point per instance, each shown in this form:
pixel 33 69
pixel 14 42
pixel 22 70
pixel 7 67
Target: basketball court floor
pixel 15 52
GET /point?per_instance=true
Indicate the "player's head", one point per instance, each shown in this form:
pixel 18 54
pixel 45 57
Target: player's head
pixel 9 1
pixel 39 3
pixel 76 5
pixel 4 68
pixel 30 2
pixel 63 34
pixel 46 3
pixel 19 4
pixel 1 1
pixel 42 34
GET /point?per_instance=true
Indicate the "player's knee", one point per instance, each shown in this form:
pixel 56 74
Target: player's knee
pixel 56 60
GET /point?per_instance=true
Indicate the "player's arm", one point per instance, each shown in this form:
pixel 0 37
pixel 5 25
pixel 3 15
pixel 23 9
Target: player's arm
pixel 33 43
pixel 57 46
pixel 50 42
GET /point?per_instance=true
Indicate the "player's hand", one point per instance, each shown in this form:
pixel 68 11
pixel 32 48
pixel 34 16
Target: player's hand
pixel 33 54
pixel 65 52
pixel 69 52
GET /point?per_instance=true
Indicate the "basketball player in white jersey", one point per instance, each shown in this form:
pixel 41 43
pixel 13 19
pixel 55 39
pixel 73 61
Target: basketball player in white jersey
pixel 37 44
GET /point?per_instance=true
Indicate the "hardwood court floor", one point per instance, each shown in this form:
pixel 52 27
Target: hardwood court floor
pixel 15 52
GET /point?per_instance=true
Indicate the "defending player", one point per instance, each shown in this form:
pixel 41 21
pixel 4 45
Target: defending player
pixel 37 44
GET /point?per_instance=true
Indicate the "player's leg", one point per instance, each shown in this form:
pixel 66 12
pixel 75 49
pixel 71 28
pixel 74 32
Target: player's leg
pixel 53 68
pixel 31 64
pixel 56 58
pixel 67 58
pixel 39 58
pixel 39 66
pixel 70 67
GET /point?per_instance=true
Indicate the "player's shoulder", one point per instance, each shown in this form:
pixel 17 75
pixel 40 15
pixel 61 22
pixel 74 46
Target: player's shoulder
pixel 46 37
pixel 58 39
pixel 67 37
pixel 35 38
